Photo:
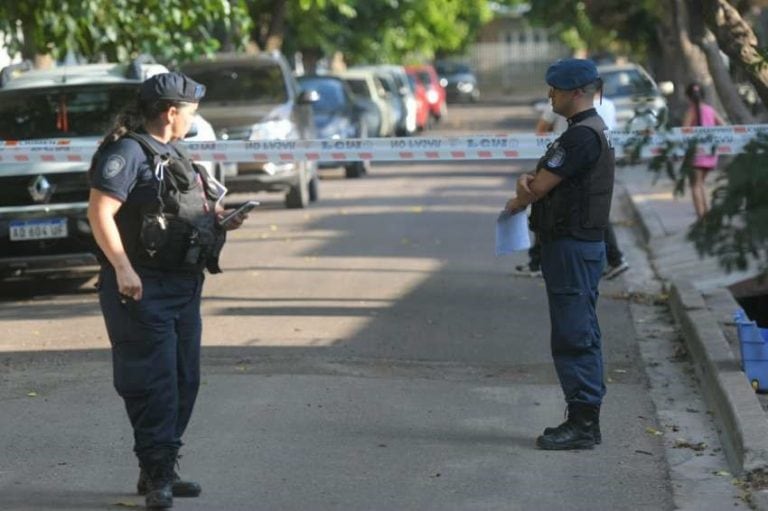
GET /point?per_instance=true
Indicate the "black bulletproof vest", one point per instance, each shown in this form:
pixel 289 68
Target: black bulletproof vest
pixel 176 230
pixel 578 207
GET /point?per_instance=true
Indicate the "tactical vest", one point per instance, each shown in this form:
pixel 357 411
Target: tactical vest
pixel 578 207
pixel 178 230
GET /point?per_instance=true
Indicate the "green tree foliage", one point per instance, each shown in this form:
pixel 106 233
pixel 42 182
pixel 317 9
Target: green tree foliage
pixel 590 25
pixel 368 31
pixel 735 229
pixel 117 29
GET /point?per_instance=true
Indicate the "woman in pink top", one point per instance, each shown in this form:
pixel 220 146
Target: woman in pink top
pixel 700 114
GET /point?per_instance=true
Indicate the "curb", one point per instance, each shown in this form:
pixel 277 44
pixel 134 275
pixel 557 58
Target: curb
pixel 744 428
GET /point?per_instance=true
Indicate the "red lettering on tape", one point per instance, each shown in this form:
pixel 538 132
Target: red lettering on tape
pixel 484 154
pixel 339 156
pixel 432 154
pixel 511 154
pixel 366 156
pixel 458 154
pixel 313 156
pixel 219 156
pixel 286 157
pixel 406 155
pixel 260 157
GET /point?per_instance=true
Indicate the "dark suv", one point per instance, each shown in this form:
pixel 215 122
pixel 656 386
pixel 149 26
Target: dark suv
pixel 43 206
pixel 256 97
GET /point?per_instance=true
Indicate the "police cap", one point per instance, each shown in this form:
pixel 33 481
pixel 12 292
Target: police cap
pixel 173 87
pixel 569 74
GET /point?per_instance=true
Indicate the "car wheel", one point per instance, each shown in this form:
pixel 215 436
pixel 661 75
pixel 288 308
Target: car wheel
pixel 298 194
pixel 356 169
pixel 314 189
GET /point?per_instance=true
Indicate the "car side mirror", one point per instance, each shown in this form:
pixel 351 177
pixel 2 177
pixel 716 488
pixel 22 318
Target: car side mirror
pixel 308 97
pixel 667 88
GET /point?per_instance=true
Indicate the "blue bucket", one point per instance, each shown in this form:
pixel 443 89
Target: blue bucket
pixel 753 344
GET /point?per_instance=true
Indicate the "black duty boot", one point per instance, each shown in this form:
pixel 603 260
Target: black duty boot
pixel 179 487
pixel 575 433
pixel 595 427
pixel 158 469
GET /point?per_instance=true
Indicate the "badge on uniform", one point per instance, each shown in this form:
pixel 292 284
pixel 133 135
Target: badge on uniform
pixel 555 156
pixel 114 165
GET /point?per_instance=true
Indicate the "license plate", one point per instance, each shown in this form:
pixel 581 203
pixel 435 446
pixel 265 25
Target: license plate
pixel 43 229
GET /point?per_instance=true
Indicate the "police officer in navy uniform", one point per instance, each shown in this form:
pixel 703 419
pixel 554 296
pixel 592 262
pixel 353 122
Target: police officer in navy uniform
pixel 570 194
pixel 154 216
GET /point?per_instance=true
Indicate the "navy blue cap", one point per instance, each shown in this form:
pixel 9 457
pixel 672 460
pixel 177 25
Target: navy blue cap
pixel 569 74
pixel 173 87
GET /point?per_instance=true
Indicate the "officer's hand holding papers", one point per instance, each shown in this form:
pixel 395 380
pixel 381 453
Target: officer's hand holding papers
pixel 512 232
pixel 512 223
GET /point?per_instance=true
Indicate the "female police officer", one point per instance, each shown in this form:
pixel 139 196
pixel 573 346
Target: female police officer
pixel 571 194
pixel 154 218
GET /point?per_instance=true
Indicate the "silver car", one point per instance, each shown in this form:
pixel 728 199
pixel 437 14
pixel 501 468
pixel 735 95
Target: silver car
pixel 635 94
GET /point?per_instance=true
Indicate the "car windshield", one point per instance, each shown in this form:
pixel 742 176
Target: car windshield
pixel 628 82
pixel 331 94
pixel 241 82
pixel 451 68
pixel 62 112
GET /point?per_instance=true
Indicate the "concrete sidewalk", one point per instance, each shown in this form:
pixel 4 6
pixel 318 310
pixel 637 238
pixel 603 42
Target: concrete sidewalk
pixel 703 307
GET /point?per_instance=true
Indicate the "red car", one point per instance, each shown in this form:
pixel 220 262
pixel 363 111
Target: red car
pixel 435 92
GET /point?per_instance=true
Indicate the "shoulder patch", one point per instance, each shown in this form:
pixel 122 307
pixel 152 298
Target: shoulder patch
pixel 555 158
pixel 113 166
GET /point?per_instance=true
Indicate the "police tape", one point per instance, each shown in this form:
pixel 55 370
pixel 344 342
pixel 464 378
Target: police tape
pixel 721 140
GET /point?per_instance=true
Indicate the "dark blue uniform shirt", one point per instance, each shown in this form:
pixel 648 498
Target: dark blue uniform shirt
pixel 578 149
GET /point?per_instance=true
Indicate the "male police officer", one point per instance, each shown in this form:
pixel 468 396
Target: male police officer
pixel 570 195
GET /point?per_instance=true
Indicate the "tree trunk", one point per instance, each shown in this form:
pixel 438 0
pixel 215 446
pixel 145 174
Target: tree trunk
pixel 731 102
pixel 276 31
pixel 736 38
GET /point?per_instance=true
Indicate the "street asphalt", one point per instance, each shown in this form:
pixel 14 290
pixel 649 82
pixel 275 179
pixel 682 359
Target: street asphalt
pixel 369 353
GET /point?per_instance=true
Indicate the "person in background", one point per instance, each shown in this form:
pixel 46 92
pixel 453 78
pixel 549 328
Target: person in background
pixel 156 220
pixel 550 122
pixel 700 113
pixel 570 196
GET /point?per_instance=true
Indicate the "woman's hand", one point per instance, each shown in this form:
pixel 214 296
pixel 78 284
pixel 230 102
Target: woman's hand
pixel 129 283
pixel 232 224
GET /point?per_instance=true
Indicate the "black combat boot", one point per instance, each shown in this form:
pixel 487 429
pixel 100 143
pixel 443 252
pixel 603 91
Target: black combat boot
pixel 179 487
pixel 575 433
pixel 158 467
pixel 595 427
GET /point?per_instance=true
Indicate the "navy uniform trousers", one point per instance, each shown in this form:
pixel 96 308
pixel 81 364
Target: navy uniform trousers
pixel 155 353
pixel 572 269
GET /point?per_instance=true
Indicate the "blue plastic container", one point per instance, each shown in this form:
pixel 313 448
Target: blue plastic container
pixel 753 343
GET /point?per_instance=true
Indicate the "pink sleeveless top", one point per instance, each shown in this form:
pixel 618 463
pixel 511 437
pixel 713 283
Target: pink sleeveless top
pixel 705 161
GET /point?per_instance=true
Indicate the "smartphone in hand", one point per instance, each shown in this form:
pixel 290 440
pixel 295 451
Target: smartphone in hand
pixel 240 211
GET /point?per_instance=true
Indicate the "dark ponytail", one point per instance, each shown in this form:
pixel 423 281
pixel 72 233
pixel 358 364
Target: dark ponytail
pixel 134 116
pixel 695 93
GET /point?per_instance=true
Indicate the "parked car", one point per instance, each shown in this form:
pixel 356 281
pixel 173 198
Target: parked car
pixel 395 81
pixel 435 92
pixel 368 87
pixel 634 93
pixel 43 205
pixel 256 97
pixel 459 81
pixel 338 115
